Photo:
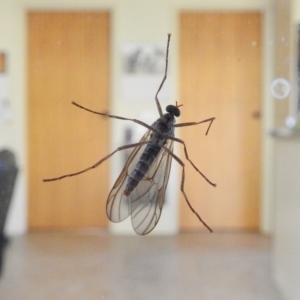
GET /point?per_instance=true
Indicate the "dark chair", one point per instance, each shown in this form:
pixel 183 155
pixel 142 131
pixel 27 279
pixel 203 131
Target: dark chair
pixel 8 174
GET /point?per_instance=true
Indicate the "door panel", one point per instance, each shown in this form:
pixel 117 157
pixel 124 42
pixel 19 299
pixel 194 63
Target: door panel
pixel 220 70
pixel 68 60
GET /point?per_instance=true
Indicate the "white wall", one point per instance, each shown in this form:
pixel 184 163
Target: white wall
pixel 132 20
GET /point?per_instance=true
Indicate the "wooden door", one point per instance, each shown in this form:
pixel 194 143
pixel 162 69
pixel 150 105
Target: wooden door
pixel 220 70
pixel 68 60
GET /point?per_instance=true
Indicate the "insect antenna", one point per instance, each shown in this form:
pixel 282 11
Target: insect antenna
pixel 178 105
pixel 163 80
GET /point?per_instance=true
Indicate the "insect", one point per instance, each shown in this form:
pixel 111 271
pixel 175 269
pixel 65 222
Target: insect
pixel 140 189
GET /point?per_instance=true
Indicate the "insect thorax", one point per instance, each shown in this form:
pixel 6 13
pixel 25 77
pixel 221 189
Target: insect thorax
pixel 164 128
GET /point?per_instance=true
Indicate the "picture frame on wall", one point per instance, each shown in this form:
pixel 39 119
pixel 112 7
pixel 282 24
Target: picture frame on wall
pixel 143 66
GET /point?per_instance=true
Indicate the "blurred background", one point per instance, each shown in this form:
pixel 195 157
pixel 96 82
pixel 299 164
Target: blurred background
pixel 235 61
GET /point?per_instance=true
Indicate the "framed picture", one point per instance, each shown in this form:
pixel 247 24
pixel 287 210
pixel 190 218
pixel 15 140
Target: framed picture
pixel 143 66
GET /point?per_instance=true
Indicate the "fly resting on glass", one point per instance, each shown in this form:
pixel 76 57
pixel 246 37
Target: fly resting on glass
pixel 140 189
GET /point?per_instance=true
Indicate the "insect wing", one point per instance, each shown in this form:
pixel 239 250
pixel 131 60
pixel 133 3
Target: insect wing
pixel 118 206
pixel 147 198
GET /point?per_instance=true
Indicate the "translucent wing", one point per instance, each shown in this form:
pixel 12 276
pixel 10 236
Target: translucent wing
pixel 145 202
pixel 117 206
pixel 147 199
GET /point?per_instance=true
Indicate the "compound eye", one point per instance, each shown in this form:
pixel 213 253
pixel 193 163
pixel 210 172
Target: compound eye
pixel 173 110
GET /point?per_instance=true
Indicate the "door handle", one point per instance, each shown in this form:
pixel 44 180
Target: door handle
pixel 256 114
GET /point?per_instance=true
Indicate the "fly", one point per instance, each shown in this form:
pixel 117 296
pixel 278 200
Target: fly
pixel 140 189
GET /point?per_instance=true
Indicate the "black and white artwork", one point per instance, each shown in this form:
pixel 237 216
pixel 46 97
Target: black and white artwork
pixel 142 69
pixel 143 59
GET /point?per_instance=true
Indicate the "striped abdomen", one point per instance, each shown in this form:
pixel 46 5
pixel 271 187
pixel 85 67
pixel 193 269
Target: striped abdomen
pixel 150 153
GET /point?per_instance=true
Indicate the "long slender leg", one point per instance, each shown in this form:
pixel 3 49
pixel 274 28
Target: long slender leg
pixel 156 96
pixel 196 123
pixel 187 157
pixel 97 163
pixel 115 117
pixel 182 187
pixel 164 79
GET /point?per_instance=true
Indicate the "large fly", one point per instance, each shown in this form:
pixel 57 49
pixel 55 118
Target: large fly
pixel 139 191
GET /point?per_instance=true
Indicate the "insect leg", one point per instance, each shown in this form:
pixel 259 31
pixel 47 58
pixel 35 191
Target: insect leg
pixel 196 123
pixel 115 117
pixel 97 163
pixel 187 157
pixel 182 187
pixel 164 79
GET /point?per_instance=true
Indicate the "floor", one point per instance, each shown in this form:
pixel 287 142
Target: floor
pixel 92 265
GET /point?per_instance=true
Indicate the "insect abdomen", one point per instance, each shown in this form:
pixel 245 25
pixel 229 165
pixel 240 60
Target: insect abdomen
pixel 150 153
